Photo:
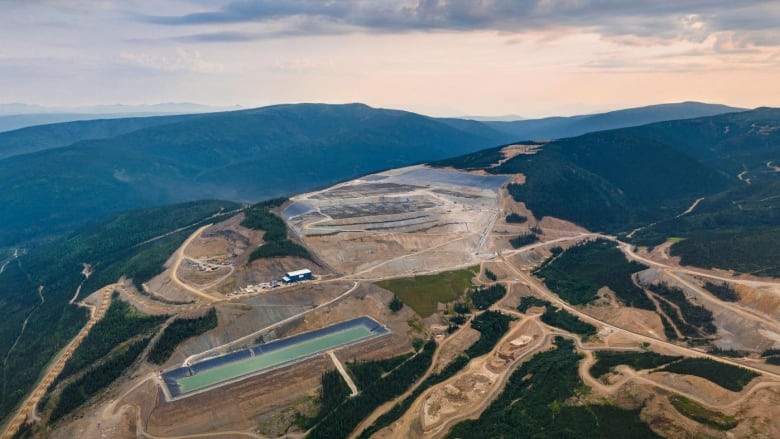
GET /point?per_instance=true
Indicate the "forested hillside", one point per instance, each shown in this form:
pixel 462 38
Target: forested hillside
pixel 55 135
pixel 117 247
pixel 244 155
pixel 646 177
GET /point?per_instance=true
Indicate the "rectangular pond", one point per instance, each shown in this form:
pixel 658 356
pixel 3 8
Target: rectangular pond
pixel 234 366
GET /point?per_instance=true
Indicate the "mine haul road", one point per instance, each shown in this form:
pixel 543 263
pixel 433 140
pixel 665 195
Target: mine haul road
pixel 27 409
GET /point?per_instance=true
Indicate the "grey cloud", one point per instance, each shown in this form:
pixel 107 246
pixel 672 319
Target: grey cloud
pixel 642 18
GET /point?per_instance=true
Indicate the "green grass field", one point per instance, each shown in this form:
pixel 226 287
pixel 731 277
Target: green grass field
pixel 423 293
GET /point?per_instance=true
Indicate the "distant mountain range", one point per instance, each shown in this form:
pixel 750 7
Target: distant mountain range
pixel 57 177
pixel 560 127
pixel 14 116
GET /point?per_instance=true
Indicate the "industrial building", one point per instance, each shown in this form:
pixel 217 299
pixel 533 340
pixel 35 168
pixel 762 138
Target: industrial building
pixel 297 276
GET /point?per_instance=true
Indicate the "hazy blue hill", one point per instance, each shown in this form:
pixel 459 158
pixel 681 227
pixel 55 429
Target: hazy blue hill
pixel 15 116
pixel 243 155
pixel 560 127
pixel 55 135
pixel 619 179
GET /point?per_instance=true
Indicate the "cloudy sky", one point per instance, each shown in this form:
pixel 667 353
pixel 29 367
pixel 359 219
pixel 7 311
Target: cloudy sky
pixel 439 57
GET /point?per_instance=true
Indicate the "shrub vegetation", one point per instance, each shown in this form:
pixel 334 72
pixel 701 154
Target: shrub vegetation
pixel 424 293
pixel 697 412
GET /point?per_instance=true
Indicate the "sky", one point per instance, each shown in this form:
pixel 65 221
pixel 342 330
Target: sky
pixel 530 58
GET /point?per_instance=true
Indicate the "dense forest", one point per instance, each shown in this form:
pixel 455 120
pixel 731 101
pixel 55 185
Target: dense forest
pixel 722 291
pixel 515 218
pixel 560 318
pixel 557 317
pixel 527 302
pixel 179 330
pixel 771 356
pixel 97 379
pixel 276 244
pixel 333 392
pixel 737 229
pixel 121 323
pixel 536 403
pixel 725 375
pixel 346 416
pixel 135 244
pixel 578 274
pixel 366 372
pixel 607 360
pixel 482 298
pixel 523 240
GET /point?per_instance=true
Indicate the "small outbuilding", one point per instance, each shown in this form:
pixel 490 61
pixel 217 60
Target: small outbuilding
pixel 297 276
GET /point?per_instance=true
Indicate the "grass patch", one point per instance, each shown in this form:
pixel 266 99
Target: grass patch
pixel 607 360
pixel 693 410
pixel 424 293
pixel 675 239
pixel 725 375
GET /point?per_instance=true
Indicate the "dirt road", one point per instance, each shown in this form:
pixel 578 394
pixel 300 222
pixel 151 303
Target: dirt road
pixel 343 372
pixel 177 263
pixel 28 406
pixel 542 290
